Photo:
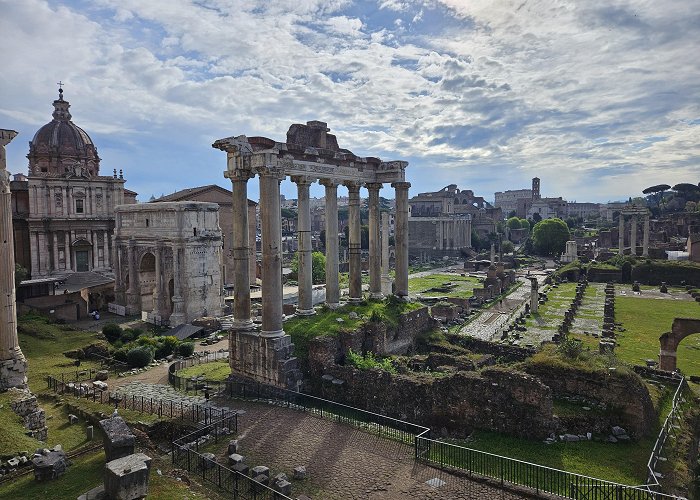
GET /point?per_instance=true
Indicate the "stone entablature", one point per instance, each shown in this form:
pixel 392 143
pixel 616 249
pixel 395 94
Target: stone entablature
pixel 169 260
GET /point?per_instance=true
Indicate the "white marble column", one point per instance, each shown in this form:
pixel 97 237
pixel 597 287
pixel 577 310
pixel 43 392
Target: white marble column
pixel 401 237
pixel 13 365
pixel 332 286
pixel 272 313
pixel 67 242
pixel 375 249
pixel 645 241
pixel 621 235
pixel 240 245
pixel 304 278
pixel 355 243
pixel 633 236
pixel 55 250
pixel 386 279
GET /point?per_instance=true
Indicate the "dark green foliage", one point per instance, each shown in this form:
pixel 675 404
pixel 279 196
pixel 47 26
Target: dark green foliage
pixel 513 223
pixel 550 237
pixel 185 349
pixel 139 357
pixel 112 332
pixel 368 361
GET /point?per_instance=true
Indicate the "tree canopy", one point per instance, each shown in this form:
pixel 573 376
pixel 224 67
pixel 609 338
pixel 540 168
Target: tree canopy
pixel 318 267
pixel 550 237
pixel 513 223
pixel 658 188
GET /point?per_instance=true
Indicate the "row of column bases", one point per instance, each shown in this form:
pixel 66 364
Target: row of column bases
pixel 633 236
pixel 272 313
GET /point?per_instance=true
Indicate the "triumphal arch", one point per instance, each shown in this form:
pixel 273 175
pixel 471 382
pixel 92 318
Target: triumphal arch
pixel 309 154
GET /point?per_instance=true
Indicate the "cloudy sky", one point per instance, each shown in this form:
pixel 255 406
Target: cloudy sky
pixel 598 98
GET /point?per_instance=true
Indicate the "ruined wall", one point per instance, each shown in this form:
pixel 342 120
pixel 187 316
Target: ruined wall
pixel 621 390
pixel 495 399
pixel 503 351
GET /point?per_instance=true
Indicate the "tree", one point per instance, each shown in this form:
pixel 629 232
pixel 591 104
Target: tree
pixel 685 187
pixel 536 217
pixel 571 222
pixel 318 267
pixel 512 213
pixel 525 224
pixel 550 237
pixel 513 223
pixel 507 247
pixel 656 193
pixel 21 274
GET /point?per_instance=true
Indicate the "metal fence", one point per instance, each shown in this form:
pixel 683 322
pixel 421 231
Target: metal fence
pixel 186 454
pixel 194 413
pixel 195 384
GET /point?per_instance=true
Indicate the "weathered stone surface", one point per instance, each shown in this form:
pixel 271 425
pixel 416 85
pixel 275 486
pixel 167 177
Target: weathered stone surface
pixel 208 460
pixel 118 438
pixel 235 458
pixel 50 465
pixel 260 470
pixel 25 404
pixel 300 472
pixel 126 478
pixel 233 446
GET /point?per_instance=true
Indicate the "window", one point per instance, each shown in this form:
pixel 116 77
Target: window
pixel 78 206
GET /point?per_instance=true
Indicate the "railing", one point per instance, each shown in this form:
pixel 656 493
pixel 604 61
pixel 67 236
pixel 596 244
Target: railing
pixel 194 413
pixel 670 427
pixel 185 454
pixel 188 384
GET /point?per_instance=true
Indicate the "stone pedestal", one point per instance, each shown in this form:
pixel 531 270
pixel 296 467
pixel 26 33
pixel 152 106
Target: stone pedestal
pixel 13 371
pixel 269 360
pixel 118 438
pixel 127 478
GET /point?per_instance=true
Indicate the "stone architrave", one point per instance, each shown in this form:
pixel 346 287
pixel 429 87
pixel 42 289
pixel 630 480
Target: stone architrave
pixel 13 365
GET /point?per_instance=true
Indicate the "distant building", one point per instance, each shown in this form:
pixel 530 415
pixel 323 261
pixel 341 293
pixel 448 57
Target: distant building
pixel 584 210
pixel 547 208
pixel 518 200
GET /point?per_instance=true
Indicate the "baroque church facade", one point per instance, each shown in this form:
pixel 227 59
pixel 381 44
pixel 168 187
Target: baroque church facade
pixel 64 210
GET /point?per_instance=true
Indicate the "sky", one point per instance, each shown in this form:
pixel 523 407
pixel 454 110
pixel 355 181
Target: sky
pixel 597 98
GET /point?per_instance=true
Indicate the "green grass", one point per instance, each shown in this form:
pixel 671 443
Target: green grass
pixel 645 320
pixel 13 438
pixel 464 289
pixel 216 370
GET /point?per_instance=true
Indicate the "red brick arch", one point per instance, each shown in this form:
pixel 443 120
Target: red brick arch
pixel 682 327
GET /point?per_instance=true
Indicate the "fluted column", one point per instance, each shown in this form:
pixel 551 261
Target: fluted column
pixel 633 236
pixel 355 243
pixel 66 242
pixel 305 275
pixel 272 313
pixel 13 365
pixel 401 237
pixel 645 241
pixel 332 286
pixel 240 246
pixel 621 235
pixel 375 249
pixel 55 250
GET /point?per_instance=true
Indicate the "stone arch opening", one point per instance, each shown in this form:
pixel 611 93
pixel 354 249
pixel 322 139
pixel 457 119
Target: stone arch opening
pixel 147 280
pixel 681 328
pixel 82 255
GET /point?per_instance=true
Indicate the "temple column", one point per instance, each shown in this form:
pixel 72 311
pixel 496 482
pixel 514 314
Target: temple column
pixel 66 238
pixel 355 241
pixel 55 250
pixel 13 365
pixel 621 235
pixel 401 237
pixel 240 247
pixel 633 236
pixel 386 280
pixel 375 251
pixel 272 313
pixel 304 274
pixel 178 316
pixel 133 294
pixel 332 287
pixel 645 241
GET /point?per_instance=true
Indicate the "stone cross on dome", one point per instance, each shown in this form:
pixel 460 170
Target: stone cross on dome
pixel 60 90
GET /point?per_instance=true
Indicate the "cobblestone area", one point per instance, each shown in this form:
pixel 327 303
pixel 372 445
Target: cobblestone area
pixel 158 391
pixel 589 318
pixel 343 462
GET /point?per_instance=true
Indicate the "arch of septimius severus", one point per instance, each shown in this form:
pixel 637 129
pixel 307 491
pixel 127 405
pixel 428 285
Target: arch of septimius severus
pixel 310 154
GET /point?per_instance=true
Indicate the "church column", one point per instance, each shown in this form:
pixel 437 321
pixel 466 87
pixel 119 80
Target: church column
pixel 645 241
pixel 43 254
pixel 375 252
pixel 621 235
pixel 633 236
pixel 66 242
pixel 95 256
pixel 13 365
pixel 34 252
pixel 305 278
pixel 107 256
pixel 355 243
pixel 401 237
pixel 271 252
pixel 55 250
pixel 69 197
pixel 332 287
pixel 240 246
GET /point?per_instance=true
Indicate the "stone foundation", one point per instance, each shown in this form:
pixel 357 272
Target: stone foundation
pixel 268 360
pixel 25 405
pixel 13 371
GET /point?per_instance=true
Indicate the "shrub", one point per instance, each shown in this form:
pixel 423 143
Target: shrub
pixel 112 332
pixel 185 349
pixel 119 355
pixel 368 361
pixel 139 357
pixel 166 346
pixel 571 348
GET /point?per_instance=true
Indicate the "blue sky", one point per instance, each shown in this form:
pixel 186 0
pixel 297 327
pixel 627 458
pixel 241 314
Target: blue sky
pixel 599 99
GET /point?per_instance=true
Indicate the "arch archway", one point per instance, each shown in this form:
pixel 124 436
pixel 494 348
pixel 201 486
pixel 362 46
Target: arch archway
pixel 147 280
pixel 682 327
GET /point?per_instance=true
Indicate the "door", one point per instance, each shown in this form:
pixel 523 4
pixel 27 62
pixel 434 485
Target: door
pixel 81 261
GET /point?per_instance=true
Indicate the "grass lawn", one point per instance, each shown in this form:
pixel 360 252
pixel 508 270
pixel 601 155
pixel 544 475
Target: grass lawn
pixel 13 437
pixel 550 314
pixel 645 320
pixel 464 288
pixel 216 370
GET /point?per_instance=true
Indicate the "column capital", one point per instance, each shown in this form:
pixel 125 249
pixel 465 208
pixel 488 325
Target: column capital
pixel 239 175
pixel 373 186
pixel 302 180
pixel 271 171
pixel 401 185
pixel 353 186
pixel 331 183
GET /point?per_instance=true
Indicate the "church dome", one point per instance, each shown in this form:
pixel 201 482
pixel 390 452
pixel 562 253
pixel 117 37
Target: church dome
pixel 60 146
